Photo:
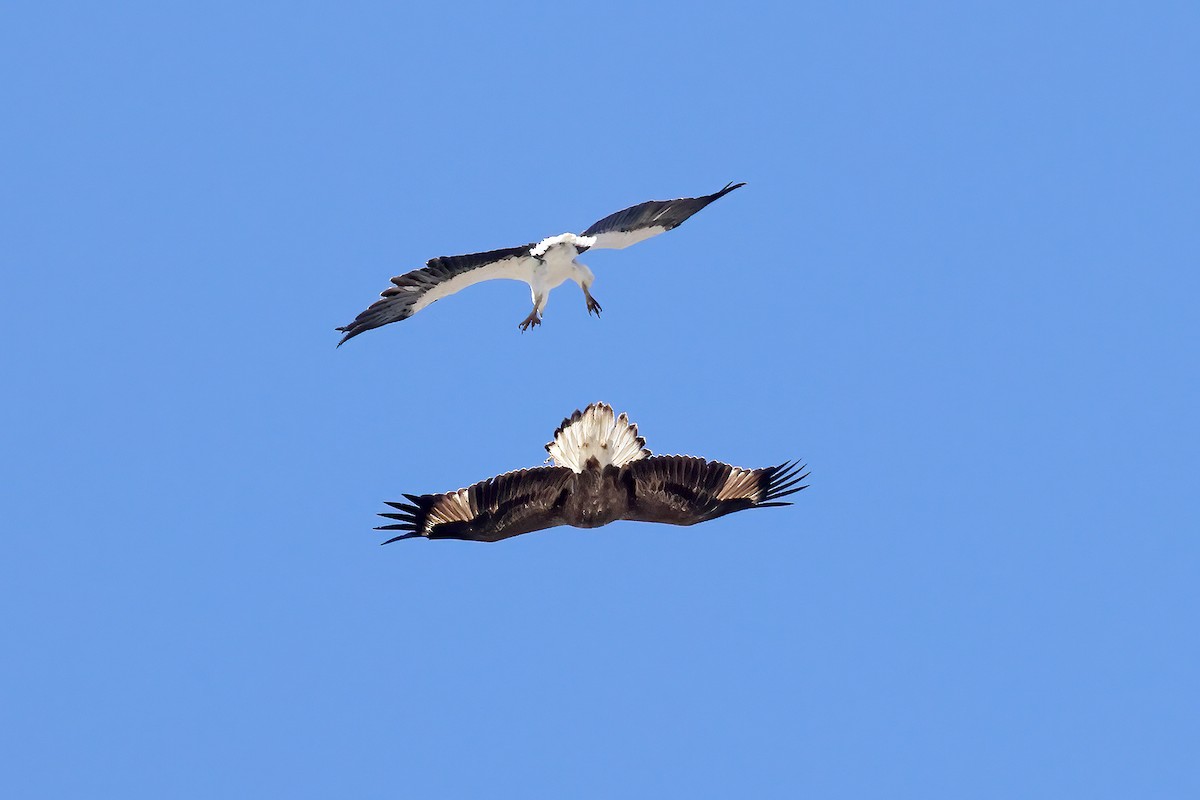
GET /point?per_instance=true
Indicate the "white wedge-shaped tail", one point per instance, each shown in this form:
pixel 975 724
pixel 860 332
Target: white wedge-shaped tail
pixel 596 432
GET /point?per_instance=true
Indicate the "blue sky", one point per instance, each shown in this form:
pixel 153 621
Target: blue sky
pixel 961 283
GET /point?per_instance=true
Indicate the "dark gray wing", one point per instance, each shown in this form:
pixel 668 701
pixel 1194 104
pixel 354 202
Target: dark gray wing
pixel 683 490
pixel 640 222
pixel 507 505
pixel 440 277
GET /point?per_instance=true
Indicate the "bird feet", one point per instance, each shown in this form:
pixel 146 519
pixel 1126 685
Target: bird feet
pixel 593 306
pixel 533 320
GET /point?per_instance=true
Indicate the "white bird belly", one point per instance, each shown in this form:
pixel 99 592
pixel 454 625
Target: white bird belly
pixel 555 267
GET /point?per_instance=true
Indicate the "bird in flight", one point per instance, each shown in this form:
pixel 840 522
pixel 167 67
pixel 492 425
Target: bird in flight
pixel 600 472
pixel 543 265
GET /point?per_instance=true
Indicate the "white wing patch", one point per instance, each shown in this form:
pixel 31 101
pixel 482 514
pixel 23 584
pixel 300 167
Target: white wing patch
pixel 450 507
pixel 619 240
pixel 741 484
pixel 596 432
pixel 517 268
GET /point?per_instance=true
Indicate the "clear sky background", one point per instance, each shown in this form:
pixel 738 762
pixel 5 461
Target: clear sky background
pixel 961 282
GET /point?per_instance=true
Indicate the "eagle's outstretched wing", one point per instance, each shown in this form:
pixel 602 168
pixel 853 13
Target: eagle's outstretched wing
pixel 508 505
pixel 638 223
pixel 440 277
pixel 684 490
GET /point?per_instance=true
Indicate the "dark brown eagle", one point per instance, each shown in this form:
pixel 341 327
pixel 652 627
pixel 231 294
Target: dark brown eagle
pixel 601 472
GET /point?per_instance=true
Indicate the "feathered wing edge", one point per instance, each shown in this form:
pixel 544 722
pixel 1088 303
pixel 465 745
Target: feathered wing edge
pixel 780 481
pixel 686 490
pixel 645 220
pixel 399 301
pixel 411 518
pixel 527 493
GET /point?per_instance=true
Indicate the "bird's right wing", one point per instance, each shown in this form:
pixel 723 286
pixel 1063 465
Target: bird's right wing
pixel 684 490
pixel 440 277
pixel 638 223
pixel 508 505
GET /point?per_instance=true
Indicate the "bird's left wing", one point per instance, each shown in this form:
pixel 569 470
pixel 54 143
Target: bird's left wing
pixel 507 505
pixel 684 490
pixel 638 223
pixel 440 277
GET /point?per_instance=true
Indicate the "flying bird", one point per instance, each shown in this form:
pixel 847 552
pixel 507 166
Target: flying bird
pixel 600 472
pixel 543 265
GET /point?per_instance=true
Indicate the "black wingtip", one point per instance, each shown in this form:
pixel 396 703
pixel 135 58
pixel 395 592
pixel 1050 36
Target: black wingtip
pixel 784 480
pixel 396 538
pixel 409 517
pixel 729 187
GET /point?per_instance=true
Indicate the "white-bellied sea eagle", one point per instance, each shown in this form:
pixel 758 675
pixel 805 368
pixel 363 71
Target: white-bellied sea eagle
pixel 543 265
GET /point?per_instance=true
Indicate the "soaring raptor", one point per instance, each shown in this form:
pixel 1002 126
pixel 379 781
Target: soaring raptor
pixel 601 472
pixel 543 265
